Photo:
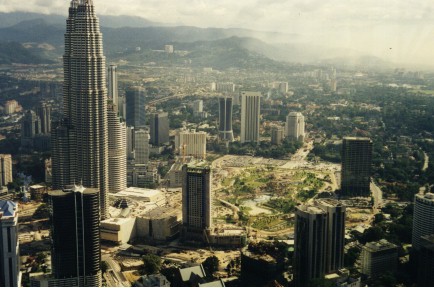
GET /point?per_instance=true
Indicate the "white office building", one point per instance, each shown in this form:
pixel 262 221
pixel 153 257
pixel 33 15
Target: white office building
pixel 9 246
pixel 294 126
pixel 250 114
pixel 423 218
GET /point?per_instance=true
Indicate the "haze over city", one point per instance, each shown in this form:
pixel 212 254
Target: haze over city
pixel 396 31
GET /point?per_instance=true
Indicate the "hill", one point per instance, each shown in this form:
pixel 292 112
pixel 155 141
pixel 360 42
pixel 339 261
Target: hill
pixel 13 52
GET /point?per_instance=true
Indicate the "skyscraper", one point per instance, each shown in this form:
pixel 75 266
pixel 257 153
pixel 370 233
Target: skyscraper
pixel 9 245
pixel 117 146
pixel 130 143
pixel 76 251
pixel 225 119
pixel 423 218
pixel 85 104
pixel 141 146
pixel 63 159
pixel 113 84
pixel 356 166
pixel 196 201
pixel 250 113
pixel 30 127
pixel 319 240
pixel 425 267
pixel 335 233
pixel 159 126
pixel 295 126
pixel 277 135
pixel 135 98
pixel 5 169
pixel 310 244
pixel 44 113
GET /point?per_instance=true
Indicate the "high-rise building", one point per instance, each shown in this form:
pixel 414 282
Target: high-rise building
pixel 225 119
pixel 76 251
pixel 197 106
pixel 122 107
pixel 224 87
pixel 44 113
pixel 423 218
pixel 310 244
pixel 319 240
pixel 191 143
pixel 117 146
pixel 277 135
pixel 250 114
pixel 30 127
pixel 141 146
pixel 425 267
pixel 335 233
pixel 356 166
pixel 130 143
pixel 5 169
pixel 196 201
pixel 295 126
pixel 63 153
pixel 159 126
pixel 142 175
pixel 113 85
pixel 281 86
pixel 85 103
pixel 379 257
pixel 12 106
pixel 10 275
pixel 135 98
pixel 168 49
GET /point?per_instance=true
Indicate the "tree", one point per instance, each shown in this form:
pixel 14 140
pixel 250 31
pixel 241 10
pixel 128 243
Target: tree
pixel 211 265
pixel 372 234
pixel 42 212
pixel 104 266
pixel 151 264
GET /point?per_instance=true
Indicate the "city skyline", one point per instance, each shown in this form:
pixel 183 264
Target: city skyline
pixel 259 171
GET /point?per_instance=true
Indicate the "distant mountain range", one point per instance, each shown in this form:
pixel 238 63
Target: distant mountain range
pixel 208 46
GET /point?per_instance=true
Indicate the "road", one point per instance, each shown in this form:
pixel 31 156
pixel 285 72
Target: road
pixel 378 197
pixel 113 275
pixel 425 162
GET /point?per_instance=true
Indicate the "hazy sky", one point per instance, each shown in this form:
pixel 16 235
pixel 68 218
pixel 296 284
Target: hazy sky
pixel 399 30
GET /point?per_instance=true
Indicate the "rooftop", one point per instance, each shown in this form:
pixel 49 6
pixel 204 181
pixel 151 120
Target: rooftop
pixel 7 209
pixel 311 209
pixel 186 273
pixel 137 192
pixel 383 244
pixel 358 138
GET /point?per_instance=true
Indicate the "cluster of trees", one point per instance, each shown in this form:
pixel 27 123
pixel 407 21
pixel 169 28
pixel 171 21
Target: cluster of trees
pixel 282 205
pixel 278 250
pixel 265 149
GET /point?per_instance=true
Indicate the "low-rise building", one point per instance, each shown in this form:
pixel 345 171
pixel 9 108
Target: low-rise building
pixel 379 257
